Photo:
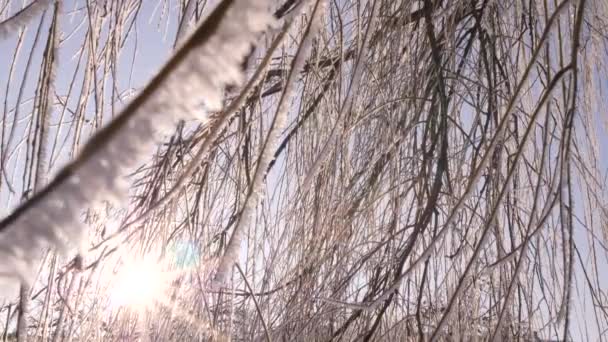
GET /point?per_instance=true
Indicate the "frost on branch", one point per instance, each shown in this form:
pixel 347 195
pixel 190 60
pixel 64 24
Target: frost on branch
pixel 23 17
pixel 272 139
pixel 192 81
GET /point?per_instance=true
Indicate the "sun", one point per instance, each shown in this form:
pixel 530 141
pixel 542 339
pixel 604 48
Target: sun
pixel 139 284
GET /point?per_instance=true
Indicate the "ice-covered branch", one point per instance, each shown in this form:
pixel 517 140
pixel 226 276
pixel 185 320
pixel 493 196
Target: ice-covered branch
pixel 189 84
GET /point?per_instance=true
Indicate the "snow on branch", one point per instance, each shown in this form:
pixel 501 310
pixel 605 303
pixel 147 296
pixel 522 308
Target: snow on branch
pixel 23 17
pixel 189 84
pixel 255 192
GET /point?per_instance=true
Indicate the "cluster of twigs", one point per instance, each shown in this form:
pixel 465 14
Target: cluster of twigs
pixel 440 175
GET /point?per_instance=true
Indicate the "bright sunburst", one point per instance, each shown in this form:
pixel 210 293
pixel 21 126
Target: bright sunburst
pixel 139 284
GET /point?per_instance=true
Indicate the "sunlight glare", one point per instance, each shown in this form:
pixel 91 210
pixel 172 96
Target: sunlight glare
pixel 139 284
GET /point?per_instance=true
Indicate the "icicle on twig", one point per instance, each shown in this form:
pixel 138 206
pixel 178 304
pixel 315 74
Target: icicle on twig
pixel 194 78
pixel 272 138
